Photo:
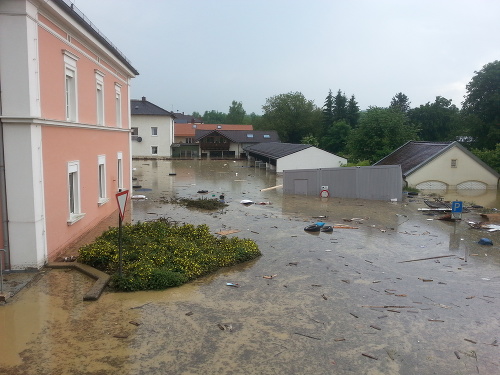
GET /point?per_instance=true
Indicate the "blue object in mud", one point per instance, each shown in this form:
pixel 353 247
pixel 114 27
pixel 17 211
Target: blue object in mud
pixel 320 223
pixel 485 241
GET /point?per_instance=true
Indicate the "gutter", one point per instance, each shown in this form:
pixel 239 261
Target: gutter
pixel 3 194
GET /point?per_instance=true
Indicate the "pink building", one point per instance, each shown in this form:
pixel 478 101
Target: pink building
pixel 64 129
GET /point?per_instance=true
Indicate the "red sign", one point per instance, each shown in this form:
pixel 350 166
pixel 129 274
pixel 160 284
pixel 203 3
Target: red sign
pixel 121 198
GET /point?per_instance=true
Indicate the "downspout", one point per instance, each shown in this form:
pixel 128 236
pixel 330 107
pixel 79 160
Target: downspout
pixel 3 194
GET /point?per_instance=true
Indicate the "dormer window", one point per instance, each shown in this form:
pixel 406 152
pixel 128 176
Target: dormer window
pixel 267 136
pixel 249 135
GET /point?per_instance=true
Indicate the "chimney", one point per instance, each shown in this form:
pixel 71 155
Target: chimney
pixel 143 98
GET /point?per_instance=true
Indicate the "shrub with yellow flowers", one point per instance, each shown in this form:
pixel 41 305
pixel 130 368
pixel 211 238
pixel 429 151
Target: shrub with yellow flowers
pixel 161 254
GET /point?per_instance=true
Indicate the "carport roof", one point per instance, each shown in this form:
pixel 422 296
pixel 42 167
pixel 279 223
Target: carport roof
pixel 275 150
pixel 240 136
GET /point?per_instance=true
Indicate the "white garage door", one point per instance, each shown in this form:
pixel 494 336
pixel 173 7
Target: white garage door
pixel 471 185
pixel 431 185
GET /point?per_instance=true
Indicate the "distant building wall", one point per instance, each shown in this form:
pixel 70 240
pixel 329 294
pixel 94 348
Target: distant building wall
pixel 309 157
pixel 162 140
pixel 376 182
pixel 454 168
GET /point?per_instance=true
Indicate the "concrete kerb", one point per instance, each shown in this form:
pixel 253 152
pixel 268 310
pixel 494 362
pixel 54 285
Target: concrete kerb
pixel 102 279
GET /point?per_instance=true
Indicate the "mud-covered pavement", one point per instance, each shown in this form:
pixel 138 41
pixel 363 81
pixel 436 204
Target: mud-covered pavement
pixel 355 301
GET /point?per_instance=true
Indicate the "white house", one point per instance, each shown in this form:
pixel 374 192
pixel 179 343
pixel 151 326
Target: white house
pixel 441 165
pixel 152 130
pixel 287 156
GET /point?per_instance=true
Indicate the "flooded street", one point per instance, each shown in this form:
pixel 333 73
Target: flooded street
pixel 400 293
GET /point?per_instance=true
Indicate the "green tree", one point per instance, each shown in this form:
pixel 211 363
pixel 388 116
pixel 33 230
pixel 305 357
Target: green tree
pixel 292 116
pixel 236 114
pixel 339 106
pixel 438 121
pixel 380 132
pixel 310 140
pixel 214 117
pixel 490 157
pixel 253 119
pixel 335 138
pixel 328 111
pixel 352 112
pixel 196 114
pixel 483 100
pixel 401 102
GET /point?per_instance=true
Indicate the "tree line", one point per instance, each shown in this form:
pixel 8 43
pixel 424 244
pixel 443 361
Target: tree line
pixel 365 137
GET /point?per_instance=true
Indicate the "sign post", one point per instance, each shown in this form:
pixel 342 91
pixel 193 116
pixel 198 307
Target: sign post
pixel 456 210
pixel 121 198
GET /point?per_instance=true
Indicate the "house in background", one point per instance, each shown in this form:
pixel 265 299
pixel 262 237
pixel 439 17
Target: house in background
pixel 64 126
pixel 152 130
pixel 184 137
pixel 181 118
pixel 441 165
pixel 221 143
pixel 281 156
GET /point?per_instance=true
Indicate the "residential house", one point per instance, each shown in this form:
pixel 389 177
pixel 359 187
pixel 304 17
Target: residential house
pixel 65 129
pixel 152 130
pixel 181 118
pixel 185 133
pixel 282 156
pixel 231 143
pixel 441 165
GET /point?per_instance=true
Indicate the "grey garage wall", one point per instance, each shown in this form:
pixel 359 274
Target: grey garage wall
pixel 383 182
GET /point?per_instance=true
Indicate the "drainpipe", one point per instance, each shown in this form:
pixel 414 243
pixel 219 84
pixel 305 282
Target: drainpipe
pixel 3 193
pixel 1 272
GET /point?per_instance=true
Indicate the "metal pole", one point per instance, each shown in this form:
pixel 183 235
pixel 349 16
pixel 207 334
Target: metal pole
pixel 120 245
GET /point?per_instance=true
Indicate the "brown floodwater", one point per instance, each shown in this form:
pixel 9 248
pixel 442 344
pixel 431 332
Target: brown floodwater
pixel 354 301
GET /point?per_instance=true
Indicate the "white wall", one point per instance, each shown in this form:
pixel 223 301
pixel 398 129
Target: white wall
pixel 163 140
pixel 440 169
pixel 310 158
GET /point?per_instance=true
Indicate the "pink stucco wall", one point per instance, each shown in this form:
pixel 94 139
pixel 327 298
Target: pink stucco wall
pixel 52 82
pixel 62 145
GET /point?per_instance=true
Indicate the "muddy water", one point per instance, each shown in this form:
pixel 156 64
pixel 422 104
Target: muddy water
pixel 340 303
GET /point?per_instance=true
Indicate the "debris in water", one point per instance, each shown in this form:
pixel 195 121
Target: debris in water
pixel 135 323
pixel 225 327
pixel 437 257
pixel 369 356
pixel 311 337
pixel 233 285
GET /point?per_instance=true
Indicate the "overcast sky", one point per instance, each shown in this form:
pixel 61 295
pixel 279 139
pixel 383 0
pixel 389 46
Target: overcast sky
pixel 200 55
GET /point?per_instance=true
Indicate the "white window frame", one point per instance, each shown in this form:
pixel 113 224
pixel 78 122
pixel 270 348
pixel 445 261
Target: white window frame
pixel 99 82
pixel 154 131
pixel 154 150
pixel 118 104
pixel 74 200
pixel 101 180
pixel 119 166
pixel 70 86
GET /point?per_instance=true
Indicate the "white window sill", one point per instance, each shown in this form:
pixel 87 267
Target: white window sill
pixel 74 218
pixel 102 201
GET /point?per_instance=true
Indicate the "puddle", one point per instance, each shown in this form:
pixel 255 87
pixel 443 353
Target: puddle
pixel 369 305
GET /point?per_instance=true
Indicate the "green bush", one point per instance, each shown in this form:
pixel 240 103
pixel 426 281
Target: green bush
pixel 159 254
